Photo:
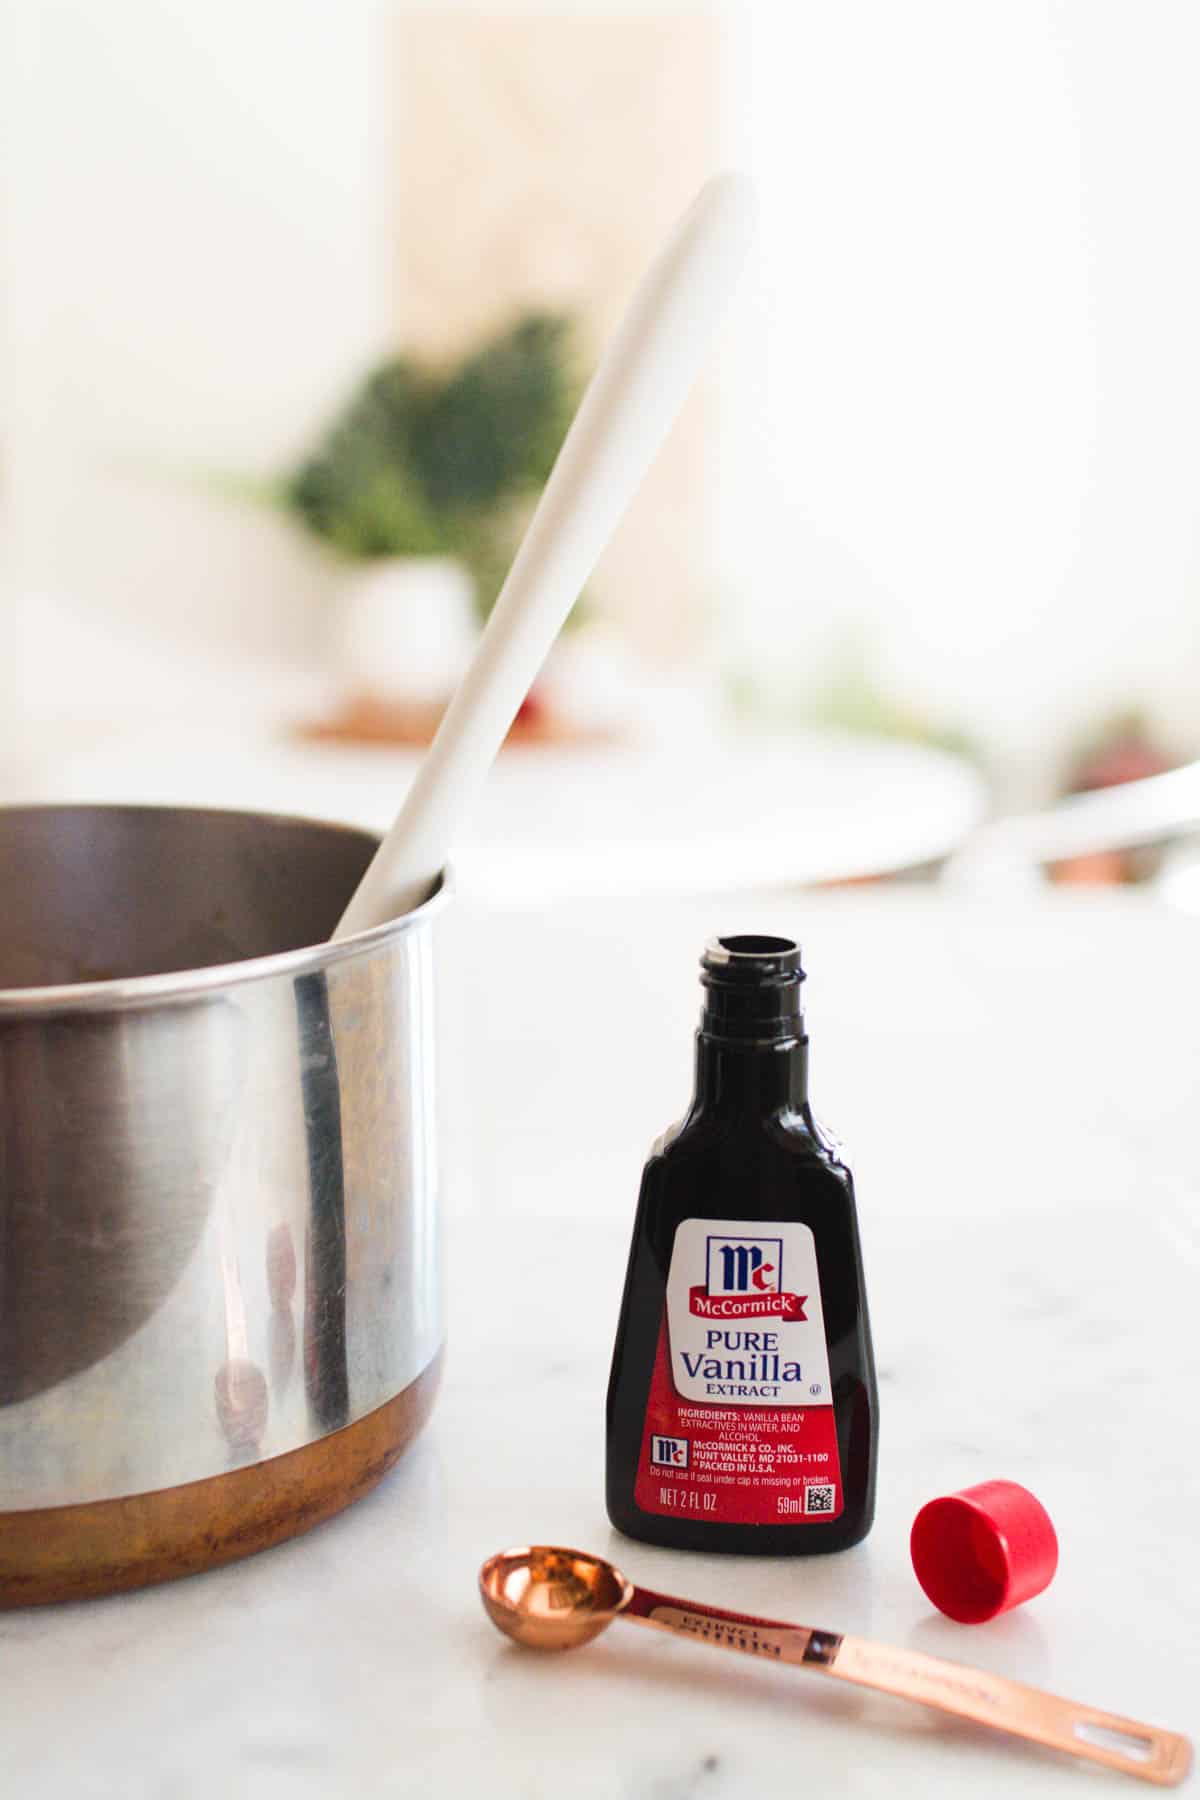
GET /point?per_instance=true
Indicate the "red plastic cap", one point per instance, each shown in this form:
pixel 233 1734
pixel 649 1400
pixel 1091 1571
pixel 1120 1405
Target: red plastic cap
pixel 984 1550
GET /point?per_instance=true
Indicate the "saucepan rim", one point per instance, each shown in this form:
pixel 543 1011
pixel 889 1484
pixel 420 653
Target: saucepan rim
pixel 189 984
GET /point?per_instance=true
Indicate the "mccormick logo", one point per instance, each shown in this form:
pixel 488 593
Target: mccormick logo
pixel 745 1281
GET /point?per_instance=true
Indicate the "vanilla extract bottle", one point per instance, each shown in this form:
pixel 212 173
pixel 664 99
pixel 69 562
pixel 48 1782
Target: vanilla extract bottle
pixel 742 1409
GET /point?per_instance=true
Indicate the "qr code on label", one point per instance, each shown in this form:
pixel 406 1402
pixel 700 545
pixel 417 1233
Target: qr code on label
pixel 819 1499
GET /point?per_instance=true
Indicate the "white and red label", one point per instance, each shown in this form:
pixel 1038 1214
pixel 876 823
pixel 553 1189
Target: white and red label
pixel 739 1423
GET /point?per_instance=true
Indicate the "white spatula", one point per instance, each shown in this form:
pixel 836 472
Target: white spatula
pixel 630 404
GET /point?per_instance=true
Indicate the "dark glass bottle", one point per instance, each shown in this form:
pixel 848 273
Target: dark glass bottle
pixel 742 1410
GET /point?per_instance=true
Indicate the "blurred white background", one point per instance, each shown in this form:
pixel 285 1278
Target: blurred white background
pixel 953 457
pixel 968 418
pixel 194 266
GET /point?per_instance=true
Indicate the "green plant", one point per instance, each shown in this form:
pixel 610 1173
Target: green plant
pixel 426 461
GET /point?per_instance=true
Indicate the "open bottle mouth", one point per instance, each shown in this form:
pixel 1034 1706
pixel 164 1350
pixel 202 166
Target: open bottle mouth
pixel 752 958
pixel 752 985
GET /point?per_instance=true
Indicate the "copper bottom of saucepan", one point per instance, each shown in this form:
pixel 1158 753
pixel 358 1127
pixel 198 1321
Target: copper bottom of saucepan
pixel 107 1546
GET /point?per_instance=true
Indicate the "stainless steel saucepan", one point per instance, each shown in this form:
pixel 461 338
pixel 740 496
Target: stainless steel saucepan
pixel 220 1285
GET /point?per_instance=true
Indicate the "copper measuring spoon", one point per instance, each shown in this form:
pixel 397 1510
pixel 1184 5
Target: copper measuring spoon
pixel 554 1599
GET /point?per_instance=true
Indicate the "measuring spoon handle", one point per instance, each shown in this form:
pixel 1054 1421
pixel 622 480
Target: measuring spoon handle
pixel 1161 1757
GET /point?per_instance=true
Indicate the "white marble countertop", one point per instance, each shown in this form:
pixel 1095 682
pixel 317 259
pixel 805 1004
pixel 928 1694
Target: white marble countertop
pixel 1018 1092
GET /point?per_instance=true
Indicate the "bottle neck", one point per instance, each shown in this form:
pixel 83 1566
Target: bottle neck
pixel 751 1050
pixel 736 1077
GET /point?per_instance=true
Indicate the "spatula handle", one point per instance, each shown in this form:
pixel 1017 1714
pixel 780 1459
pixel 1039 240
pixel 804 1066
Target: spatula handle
pixel 631 403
